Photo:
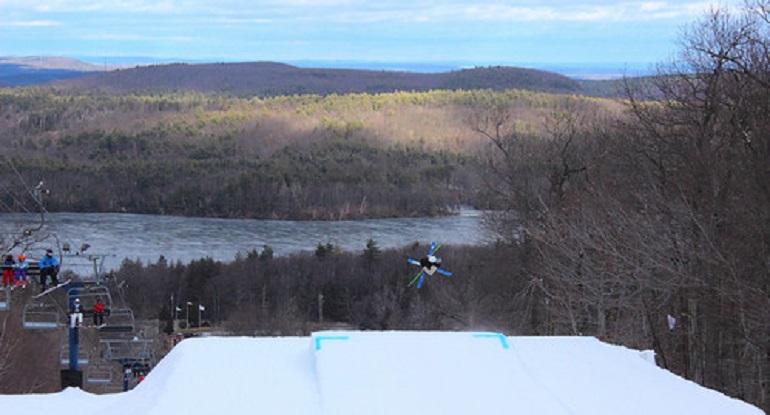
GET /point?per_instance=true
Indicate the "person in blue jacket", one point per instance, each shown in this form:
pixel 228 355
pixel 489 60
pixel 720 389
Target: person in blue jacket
pixel 49 266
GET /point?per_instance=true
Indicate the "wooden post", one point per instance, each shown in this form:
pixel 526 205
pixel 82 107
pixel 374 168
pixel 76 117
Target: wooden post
pixel 320 308
pixel 264 300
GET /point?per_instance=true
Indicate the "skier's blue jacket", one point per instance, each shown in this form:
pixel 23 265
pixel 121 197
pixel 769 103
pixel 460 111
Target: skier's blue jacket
pixel 48 262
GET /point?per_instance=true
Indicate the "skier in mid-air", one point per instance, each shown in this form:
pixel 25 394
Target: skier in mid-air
pixel 430 265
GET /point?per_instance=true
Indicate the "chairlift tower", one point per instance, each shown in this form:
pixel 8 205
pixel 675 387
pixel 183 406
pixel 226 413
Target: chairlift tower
pixel 73 376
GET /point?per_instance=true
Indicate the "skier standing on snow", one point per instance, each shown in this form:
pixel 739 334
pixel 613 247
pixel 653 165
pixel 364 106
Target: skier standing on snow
pixel 20 271
pixel 48 266
pixel 8 266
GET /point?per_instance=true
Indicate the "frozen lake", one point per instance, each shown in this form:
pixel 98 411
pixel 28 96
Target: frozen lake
pixel 147 237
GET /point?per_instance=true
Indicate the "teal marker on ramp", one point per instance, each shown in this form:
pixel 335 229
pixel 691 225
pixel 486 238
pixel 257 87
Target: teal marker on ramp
pixel 503 340
pixel 319 339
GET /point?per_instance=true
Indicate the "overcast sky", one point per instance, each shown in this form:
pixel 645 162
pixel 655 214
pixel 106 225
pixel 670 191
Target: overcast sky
pixel 478 31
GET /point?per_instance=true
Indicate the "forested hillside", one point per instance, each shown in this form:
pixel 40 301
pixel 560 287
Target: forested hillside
pixel 299 157
pixel 266 79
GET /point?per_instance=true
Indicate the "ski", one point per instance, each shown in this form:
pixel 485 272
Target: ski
pixel 419 274
pixel 51 289
pixel 441 271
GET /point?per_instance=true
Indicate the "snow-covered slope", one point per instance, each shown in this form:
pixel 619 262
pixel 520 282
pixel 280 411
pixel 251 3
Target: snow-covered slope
pixel 338 373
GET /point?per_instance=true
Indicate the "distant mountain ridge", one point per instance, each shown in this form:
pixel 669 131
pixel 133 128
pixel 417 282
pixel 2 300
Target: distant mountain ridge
pixel 31 70
pixel 271 79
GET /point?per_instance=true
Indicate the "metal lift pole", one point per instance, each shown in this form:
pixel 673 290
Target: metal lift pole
pixel 72 377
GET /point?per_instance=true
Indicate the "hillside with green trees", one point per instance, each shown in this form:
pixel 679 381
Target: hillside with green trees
pixel 287 157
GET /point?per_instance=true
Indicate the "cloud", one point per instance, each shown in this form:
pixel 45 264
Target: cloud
pixel 108 6
pixel 31 23
pixel 574 12
pixel 652 6
pixel 140 38
pixel 245 20
pixel 490 11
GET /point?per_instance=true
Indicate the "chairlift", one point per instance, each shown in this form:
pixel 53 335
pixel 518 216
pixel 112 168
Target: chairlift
pixel 123 350
pixel 41 315
pixel 88 294
pixel 88 268
pixel 100 374
pixel 5 299
pixel 119 320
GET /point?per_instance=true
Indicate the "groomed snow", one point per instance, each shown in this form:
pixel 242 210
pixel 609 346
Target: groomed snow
pixel 338 373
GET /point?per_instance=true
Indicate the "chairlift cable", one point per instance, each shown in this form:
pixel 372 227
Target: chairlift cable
pixel 15 200
pixel 29 190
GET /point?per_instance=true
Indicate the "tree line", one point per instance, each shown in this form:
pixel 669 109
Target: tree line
pixel 258 293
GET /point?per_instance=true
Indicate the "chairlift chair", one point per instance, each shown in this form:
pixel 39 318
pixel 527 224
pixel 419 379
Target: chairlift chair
pixel 88 294
pixel 87 267
pixel 122 350
pixel 120 320
pixel 41 315
pixel 100 374
pixel 5 299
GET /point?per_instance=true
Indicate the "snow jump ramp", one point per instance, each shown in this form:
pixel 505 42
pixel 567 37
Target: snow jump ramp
pixel 424 373
pixel 405 373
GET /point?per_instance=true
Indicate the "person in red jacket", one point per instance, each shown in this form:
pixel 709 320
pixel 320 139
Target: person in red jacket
pixel 98 313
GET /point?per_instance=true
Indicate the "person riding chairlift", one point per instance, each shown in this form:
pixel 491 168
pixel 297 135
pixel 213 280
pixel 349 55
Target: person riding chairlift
pixel 99 313
pixel 20 271
pixel 8 267
pixel 76 314
pixel 49 266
